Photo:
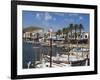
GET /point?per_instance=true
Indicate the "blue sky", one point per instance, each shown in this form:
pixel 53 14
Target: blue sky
pixel 56 20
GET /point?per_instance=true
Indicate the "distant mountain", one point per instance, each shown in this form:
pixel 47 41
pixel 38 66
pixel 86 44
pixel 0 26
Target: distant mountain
pixel 31 29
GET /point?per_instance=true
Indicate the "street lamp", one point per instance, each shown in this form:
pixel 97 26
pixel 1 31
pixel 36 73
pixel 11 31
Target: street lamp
pixel 50 47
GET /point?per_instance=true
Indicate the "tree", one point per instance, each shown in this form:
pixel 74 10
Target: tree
pixel 65 31
pixel 76 27
pixel 71 27
pixel 81 28
pixel 59 32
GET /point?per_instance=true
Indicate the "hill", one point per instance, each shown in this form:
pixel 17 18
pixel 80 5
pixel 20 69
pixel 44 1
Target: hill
pixel 31 29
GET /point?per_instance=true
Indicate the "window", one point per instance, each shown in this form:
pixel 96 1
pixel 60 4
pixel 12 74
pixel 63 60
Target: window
pixel 85 36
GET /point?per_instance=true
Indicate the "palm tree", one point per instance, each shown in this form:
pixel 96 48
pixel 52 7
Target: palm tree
pixel 81 28
pixel 65 31
pixel 59 32
pixel 75 29
pixel 71 26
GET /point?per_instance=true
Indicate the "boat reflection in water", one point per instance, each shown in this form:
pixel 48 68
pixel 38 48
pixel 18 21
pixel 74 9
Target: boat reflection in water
pixel 36 55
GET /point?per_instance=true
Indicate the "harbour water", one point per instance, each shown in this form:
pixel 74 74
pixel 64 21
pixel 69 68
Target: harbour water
pixel 32 52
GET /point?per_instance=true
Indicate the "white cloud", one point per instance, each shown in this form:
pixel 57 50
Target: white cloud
pixel 47 16
pixel 39 15
pixel 54 19
pixel 80 17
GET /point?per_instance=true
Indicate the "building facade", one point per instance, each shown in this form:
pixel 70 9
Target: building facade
pixel 82 36
pixel 31 35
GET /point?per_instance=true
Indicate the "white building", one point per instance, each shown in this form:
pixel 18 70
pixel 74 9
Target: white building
pixel 82 36
pixel 32 33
